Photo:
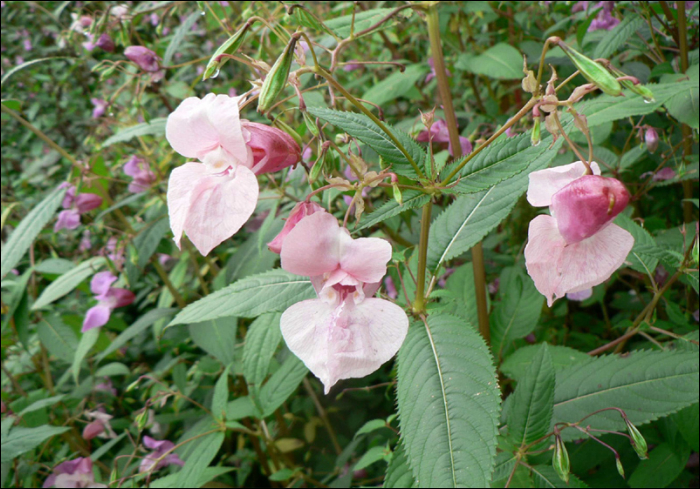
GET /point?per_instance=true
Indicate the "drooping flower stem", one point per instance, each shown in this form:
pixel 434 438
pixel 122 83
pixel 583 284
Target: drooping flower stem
pixel 433 20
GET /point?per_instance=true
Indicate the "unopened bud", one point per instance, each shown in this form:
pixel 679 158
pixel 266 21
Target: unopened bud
pixel 427 118
pixel 580 121
pixel 580 91
pixel 359 205
pixel 276 79
pixel 620 468
pixel 560 459
pixel 341 139
pixel 651 138
pixel 229 47
pixel 638 442
pixel 550 124
pixel 340 183
pixel 142 420
pixel 535 137
pixel 310 124
pixel 397 193
pixel 592 71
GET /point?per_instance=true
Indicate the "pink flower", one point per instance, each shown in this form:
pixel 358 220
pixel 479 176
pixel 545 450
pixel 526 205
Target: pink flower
pixel 68 219
pixel 99 427
pixel 211 200
pixel 87 202
pixel 114 251
pixel 391 291
pixel 143 177
pixel 300 211
pixel 100 107
pixel 73 473
pixel 159 448
pixel 345 333
pixel 350 66
pixel 108 298
pixel 665 173
pixel 106 386
pixel 440 134
pixel 432 73
pixel 577 247
pixel 146 59
pixel 74 206
pixel 105 43
pixel 604 19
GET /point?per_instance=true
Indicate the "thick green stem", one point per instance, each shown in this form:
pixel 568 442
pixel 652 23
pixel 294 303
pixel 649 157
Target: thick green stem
pixel 685 129
pixel 433 20
pixel 419 301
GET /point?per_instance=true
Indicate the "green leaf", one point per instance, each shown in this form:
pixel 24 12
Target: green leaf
pixel 518 311
pixel 501 61
pixel 68 281
pixel 391 208
pixel 208 475
pixel 395 85
pixel 398 473
pixel 665 381
pixel 282 384
pixel 26 65
pixel 217 337
pixel 631 157
pixel 26 232
pixel 220 400
pixel 58 338
pixel 36 406
pixel 261 342
pixel 180 33
pixel 370 426
pixel 683 105
pixel 363 128
pixel 363 20
pixel 250 258
pixel 154 128
pixel 141 325
pixel 21 440
pixel 112 370
pixel 545 477
pixel 240 408
pixel 505 461
pixel 500 161
pixel 87 341
pixel 147 241
pixel 519 362
pixel 373 455
pixel 448 400
pixel 472 216
pixel 199 460
pixel 688 422
pixel 533 401
pixel 664 464
pixel 642 257
pixel 273 291
pixel 460 296
pixel 617 37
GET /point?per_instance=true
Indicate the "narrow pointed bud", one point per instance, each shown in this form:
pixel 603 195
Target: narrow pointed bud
pixel 620 468
pixel 229 47
pixel 276 79
pixel 638 442
pixel 310 123
pixel 319 163
pixel 560 460
pixel 637 88
pixel 651 138
pixel 592 71
pixel 535 137
pixel 397 193
pixel 142 419
pixel 550 124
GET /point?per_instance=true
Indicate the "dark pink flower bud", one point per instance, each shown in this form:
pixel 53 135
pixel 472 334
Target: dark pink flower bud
pixel 273 149
pixel 87 202
pixel 651 138
pixel 664 174
pixel 105 42
pixel 300 211
pixel 93 430
pixel 100 107
pixel 146 59
pixel 586 205
pixel 68 219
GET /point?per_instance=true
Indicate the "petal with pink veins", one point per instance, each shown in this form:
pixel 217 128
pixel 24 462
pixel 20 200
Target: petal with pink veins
pixel 180 186
pixel 313 246
pixel 545 183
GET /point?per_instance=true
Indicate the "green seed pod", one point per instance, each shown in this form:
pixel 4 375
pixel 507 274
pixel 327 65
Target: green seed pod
pixel 638 442
pixel 620 468
pixel 397 194
pixel 142 419
pixel 560 459
pixel 310 123
pixel 229 47
pixel 276 79
pixel 593 72
pixel 535 138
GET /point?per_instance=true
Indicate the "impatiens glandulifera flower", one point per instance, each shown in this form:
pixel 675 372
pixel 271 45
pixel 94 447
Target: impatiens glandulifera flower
pixel 146 59
pixel 604 19
pixel 99 427
pixel 108 298
pixel 577 247
pixel 440 134
pixel 159 448
pixel 143 177
pixel 73 473
pixel 105 43
pixel 432 73
pixel 74 206
pixel 211 200
pixel 100 107
pixel 345 333
pixel 300 211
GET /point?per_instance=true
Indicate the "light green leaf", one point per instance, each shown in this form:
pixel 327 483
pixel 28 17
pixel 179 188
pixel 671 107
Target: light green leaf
pixel 363 128
pixel 58 338
pixel 645 252
pixel 21 238
pixel 545 477
pixel 501 61
pixel 448 400
pixel 208 475
pixel 370 426
pixel 517 312
pixel 617 37
pixel 36 406
pixel 530 415
pixel 21 440
pixel 68 281
pixel 261 342
pixel 113 369
pixel 645 384
pixel 398 473
pixel 141 325
pixel 26 65
pixel 147 241
pixel 664 464
pixel 180 33
pixel 240 408
pixel 363 20
pixel 373 455
pixel 220 400
pixel 154 128
pixel 87 341
pixel 217 337
pixel 273 291
pixel 518 363
pixel 395 85
pixel 282 384
pixel 683 106
pixel 631 157
pixel 391 208
pixel 54 266
pixel 199 460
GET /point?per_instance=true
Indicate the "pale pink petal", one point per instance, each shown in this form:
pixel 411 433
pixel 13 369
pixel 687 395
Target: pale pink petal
pixel 180 185
pixel 300 211
pixel 545 183
pixel 93 430
pixel 219 206
pixel 364 258
pixel 273 149
pixel 347 341
pixel 581 295
pixel 96 317
pixel 313 246
pixel 159 445
pixel 68 219
pixel 558 268
pixel 101 282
